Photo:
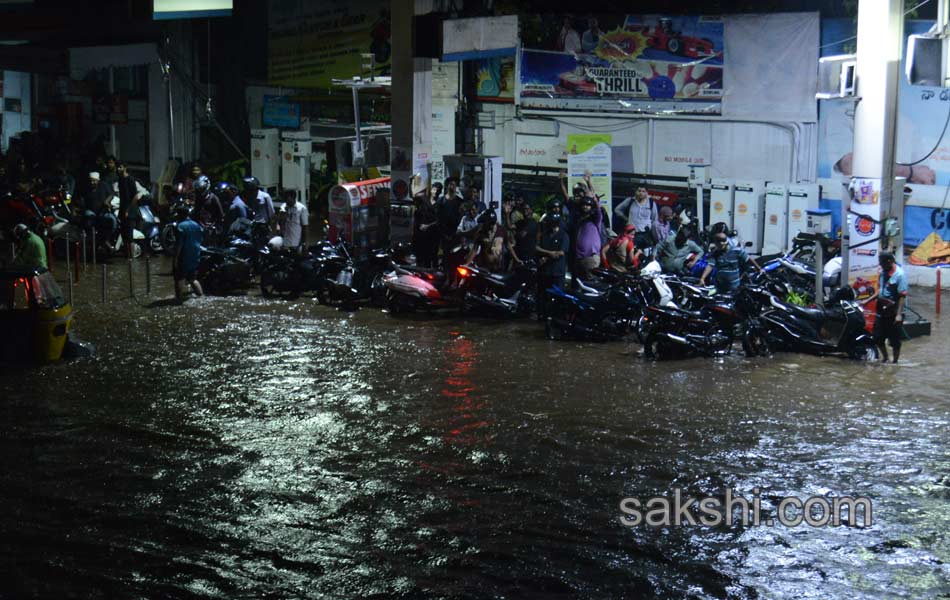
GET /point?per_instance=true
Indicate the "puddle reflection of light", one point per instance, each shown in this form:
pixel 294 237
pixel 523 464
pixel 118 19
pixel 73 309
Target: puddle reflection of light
pixel 464 423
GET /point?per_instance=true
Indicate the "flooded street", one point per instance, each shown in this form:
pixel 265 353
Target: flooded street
pixel 244 447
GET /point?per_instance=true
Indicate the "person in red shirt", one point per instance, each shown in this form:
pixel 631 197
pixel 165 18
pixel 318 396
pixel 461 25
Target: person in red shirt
pixel 621 253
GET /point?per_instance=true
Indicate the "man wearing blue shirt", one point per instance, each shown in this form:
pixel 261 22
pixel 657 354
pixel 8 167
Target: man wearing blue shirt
pixel 187 254
pixel 891 297
pixel 730 263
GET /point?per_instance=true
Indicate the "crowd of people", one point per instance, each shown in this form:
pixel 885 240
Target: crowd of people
pixel 202 214
pixel 572 236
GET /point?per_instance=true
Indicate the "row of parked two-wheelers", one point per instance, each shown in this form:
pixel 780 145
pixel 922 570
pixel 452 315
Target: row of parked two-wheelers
pixel 672 316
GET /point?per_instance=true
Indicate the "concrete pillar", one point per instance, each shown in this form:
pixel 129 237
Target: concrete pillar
pixel 411 114
pixel 880 32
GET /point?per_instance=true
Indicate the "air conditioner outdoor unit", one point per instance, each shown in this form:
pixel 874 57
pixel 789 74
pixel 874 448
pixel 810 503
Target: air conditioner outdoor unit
pixel 836 76
pixel 926 60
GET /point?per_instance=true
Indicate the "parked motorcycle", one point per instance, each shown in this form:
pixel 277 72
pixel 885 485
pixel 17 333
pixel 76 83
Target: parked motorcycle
pixel 504 294
pixel 222 270
pixel 347 282
pixel 285 273
pixel 592 314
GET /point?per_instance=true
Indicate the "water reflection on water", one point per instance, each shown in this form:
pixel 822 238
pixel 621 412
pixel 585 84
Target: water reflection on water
pixel 237 447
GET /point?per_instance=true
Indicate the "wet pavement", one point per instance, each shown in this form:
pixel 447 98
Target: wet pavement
pixel 243 447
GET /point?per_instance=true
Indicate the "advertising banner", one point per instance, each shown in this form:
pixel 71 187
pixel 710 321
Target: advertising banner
pixel 589 154
pixel 280 112
pixel 356 211
pixel 865 231
pixel 312 43
pixel 637 63
pixel 496 80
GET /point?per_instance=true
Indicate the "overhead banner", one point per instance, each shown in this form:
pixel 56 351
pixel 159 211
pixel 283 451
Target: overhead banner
pixel 634 63
pixel 312 43
pixel 589 154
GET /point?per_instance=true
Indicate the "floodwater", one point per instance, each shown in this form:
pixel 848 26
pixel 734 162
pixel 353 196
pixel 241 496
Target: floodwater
pixel 242 447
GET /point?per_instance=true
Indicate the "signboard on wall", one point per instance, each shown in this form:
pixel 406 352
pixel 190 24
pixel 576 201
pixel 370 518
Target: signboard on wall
pixel 590 155
pixel 312 43
pixel 633 63
pixel 496 80
pixel 278 112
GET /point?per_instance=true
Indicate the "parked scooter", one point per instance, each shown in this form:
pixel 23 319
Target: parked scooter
pixel 838 329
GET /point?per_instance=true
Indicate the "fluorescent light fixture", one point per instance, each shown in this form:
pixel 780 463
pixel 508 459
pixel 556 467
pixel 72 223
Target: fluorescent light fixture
pixel 191 9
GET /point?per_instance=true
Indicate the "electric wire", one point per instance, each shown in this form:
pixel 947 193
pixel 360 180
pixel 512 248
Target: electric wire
pixel 854 37
pixel 937 145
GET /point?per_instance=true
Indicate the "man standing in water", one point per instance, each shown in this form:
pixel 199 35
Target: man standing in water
pixel 891 297
pixel 187 254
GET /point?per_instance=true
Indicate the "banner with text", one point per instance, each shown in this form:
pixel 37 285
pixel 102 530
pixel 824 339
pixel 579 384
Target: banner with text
pixel 589 154
pixel 312 43
pixel 637 63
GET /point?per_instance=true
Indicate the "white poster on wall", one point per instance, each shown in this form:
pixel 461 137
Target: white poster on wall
pixel 443 131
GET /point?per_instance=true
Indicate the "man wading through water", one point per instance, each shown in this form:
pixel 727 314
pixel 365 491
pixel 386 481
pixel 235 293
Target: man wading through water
pixel 891 298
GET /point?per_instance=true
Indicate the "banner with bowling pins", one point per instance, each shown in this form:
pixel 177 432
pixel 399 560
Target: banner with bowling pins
pixel 611 62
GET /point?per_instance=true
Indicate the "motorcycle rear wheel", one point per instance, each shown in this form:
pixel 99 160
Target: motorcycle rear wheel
pixel 755 343
pixel 155 245
pixel 864 353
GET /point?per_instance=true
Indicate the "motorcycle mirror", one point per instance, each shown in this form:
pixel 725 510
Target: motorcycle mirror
pixel 748 244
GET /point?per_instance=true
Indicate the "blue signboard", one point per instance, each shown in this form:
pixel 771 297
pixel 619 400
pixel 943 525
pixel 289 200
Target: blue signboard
pixel 278 112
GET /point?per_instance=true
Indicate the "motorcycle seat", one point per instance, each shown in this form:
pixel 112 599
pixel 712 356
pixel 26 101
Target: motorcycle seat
pixel 809 314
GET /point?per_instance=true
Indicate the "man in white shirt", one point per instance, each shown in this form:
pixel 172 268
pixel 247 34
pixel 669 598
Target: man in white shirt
pixel 294 219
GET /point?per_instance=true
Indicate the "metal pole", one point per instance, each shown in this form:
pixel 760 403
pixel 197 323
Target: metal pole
pixel 104 275
pixel 131 281
pixel 84 263
pixel 148 276
pixel 76 261
pixel 93 245
pixel 69 273
pixel 700 208
pixel 356 119
pixel 938 290
pixel 819 266
pixel 112 141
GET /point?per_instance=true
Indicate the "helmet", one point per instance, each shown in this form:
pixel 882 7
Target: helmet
pixel 579 188
pixel 554 204
pixel 552 221
pixel 182 212
pixel 251 181
pixel 588 201
pixel 202 184
pixel 19 231
pixel 222 187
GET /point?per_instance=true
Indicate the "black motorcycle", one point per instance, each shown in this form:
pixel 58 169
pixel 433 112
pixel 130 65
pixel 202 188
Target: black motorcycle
pixel 285 273
pixel 346 282
pixel 223 271
pixel 673 332
pixel 837 329
pixel 589 313
pixel 503 294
